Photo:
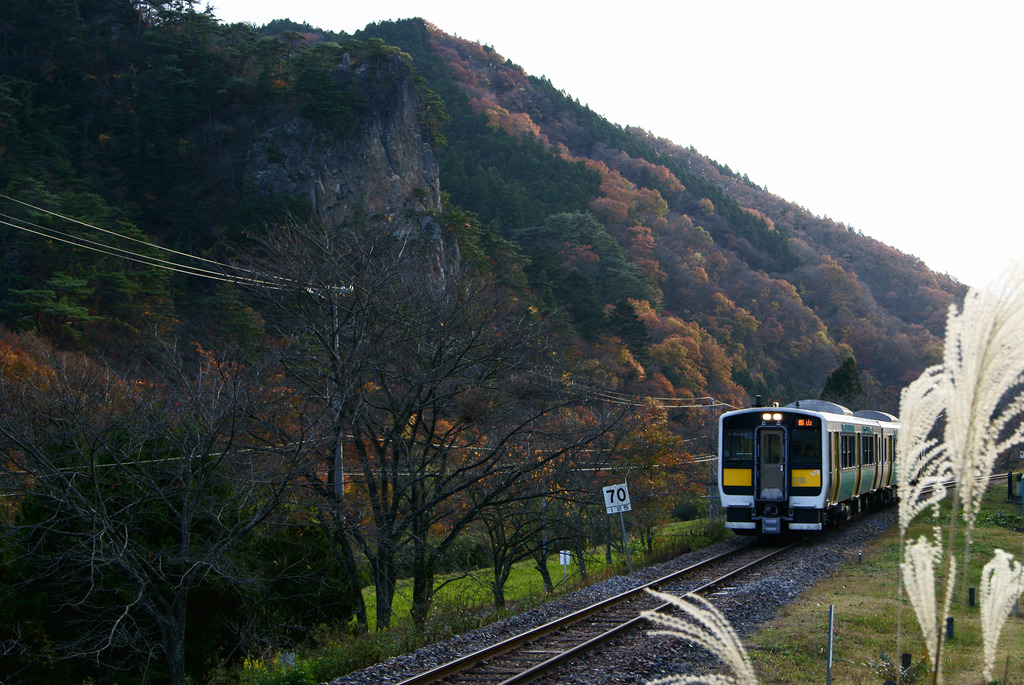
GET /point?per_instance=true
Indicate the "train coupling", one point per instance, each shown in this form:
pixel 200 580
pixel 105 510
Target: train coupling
pixel 771 519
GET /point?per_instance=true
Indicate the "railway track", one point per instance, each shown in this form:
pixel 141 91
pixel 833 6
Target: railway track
pixel 534 654
pixel 530 655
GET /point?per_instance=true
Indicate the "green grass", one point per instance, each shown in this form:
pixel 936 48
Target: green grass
pixel 461 603
pixel 525 587
pixel 793 647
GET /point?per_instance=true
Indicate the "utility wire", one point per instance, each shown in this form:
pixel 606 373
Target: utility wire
pixel 86 244
pixel 625 400
pixel 222 274
pixel 119 235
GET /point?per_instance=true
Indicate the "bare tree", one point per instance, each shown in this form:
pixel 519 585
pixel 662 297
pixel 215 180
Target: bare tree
pixel 492 467
pixel 433 377
pixel 329 290
pixel 514 533
pixel 525 524
pixel 134 489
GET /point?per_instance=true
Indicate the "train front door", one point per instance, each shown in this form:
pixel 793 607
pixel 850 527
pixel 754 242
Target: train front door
pixel 771 464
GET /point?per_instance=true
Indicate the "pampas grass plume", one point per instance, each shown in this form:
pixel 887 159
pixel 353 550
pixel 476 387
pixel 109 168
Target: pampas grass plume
pixel 704 625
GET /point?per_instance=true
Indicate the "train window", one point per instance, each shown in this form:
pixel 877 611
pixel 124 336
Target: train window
pixel 868 457
pixel 847 451
pixel 805 448
pixel 772 446
pixel 738 446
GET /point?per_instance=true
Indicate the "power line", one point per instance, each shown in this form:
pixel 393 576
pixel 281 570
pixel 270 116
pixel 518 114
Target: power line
pixel 664 402
pixel 118 235
pixel 626 400
pixel 86 244
pixel 222 274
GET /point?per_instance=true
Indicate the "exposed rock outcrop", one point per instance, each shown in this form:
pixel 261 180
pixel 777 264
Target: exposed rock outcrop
pixel 386 175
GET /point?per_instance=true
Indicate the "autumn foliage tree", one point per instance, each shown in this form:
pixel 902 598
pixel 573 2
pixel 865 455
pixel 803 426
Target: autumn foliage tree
pixel 433 379
pixel 652 455
pixel 126 491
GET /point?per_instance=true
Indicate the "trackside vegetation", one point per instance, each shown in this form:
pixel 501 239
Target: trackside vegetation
pixel 956 421
pixel 462 603
pixel 792 648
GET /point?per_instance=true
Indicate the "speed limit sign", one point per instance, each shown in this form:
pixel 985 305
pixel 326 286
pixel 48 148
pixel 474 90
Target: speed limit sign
pixel 616 499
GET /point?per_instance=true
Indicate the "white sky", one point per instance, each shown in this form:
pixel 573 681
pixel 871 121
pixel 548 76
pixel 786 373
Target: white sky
pixel 899 118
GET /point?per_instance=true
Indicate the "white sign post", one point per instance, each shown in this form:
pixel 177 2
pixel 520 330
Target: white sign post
pixel 564 558
pixel 616 501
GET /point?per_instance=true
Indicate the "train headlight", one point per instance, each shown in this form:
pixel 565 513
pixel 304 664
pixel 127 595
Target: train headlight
pixel 766 416
pixel 776 417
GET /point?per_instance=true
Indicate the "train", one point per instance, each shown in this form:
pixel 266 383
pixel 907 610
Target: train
pixel 806 466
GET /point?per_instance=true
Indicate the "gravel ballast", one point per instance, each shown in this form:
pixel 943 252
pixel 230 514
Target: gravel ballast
pixel 641 657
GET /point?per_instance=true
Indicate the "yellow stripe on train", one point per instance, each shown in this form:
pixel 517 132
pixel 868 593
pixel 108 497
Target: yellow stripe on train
pixel 806 478
pixel 737 477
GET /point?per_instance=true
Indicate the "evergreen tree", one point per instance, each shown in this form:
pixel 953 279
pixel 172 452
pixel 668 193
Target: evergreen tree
pixel 624 322
pixel 843 385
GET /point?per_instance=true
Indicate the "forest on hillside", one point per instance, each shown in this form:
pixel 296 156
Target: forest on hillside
pixel 222 419
pixel 739 292
pixel 716 268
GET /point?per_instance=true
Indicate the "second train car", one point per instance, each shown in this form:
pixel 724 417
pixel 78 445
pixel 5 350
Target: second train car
pixel 803 467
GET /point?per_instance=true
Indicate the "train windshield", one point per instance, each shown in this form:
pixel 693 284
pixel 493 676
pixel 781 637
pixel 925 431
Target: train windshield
pixel 738 447
pixel 805 447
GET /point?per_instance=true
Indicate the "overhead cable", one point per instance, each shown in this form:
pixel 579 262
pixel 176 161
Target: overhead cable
pixel 223 273
pixel 115 233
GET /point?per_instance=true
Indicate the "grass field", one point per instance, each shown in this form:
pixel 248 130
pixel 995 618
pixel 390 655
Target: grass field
pixel 525 586
pixel 869 613
pixel 461 603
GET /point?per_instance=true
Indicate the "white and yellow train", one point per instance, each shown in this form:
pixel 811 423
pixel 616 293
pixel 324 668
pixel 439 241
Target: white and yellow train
pixel 803 467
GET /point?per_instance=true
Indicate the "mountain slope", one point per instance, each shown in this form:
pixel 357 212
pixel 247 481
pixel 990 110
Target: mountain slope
pixel 722 269
pixel 670 275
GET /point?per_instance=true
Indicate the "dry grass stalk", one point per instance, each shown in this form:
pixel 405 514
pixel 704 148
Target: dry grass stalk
pixel 918 568
pixel 977 393
pixel 1001 581
pixel 704 625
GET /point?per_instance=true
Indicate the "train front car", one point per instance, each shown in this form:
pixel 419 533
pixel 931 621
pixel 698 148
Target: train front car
pixel 803 466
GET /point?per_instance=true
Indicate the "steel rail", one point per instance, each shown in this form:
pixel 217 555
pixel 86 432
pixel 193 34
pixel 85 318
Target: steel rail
pixel 573 652
pixel 481 656
pixel 565 656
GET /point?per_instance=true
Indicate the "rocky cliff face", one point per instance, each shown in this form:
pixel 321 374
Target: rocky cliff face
pixel 387 175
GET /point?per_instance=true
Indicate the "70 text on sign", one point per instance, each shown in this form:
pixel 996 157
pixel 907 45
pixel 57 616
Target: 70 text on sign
pixel 616 499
